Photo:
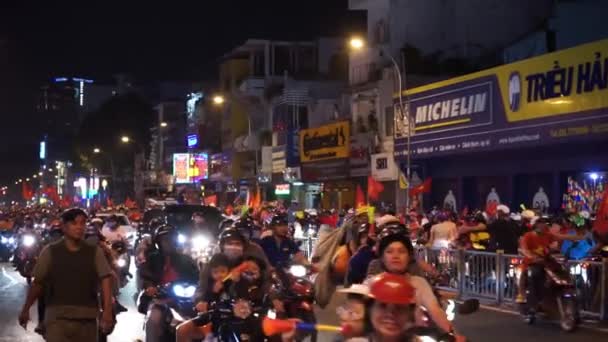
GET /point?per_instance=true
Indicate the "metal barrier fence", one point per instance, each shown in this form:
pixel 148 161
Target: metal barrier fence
pixel 307 244
pixel 495 276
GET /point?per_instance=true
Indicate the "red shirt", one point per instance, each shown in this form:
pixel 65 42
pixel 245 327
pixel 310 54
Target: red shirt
pixel 539 243
pixel 169 273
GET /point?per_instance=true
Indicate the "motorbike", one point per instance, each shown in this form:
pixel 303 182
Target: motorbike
pixel 8 244
pixel 450 306
pixel 123 261
pixel 294 288
pixel 172 305
pixel 233 320
pixel 27 254
pixel 551 280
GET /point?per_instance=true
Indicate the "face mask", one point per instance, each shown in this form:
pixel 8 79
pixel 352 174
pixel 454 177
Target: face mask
pixel 233 252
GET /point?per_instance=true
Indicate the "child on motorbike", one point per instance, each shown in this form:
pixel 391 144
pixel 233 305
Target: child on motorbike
pixel 219 265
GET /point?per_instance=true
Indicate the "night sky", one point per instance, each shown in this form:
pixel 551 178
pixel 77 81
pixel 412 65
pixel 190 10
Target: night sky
pixel 175 41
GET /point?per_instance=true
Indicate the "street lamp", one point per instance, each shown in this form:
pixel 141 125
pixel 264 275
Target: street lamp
pixel 163 124
pixel 40 173
pixel 20 180
pixel 96 150
pixel 357 44
pixel 27 179
pixel 35 176
pixel 125 139
pixel 218 99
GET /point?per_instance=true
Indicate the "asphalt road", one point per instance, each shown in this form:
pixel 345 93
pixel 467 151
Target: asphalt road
pixel 482 326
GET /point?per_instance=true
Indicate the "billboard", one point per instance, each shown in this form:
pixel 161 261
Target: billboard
pixel 180 168
pixel 325 142
pixel 190 167
pixel 198 167
pixel 554 98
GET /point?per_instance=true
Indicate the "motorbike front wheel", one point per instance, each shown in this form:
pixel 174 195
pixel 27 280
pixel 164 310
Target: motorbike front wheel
pixel 568 313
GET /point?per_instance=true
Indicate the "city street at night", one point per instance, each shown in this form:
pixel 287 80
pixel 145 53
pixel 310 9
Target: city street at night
pixel 312 171
pixel 485 325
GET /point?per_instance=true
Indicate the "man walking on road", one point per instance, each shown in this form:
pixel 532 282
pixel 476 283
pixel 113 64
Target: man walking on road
pixel 68 273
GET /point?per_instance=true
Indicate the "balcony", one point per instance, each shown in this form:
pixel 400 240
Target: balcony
pixel 253 87
pixel 365 73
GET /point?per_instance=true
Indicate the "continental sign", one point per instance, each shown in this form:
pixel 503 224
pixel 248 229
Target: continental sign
pixel 326 142
pixel 553 98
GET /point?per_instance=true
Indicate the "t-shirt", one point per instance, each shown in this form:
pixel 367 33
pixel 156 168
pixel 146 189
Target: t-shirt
pixel 169 273
pixel 537 243
pixel 279 253
pixel 41 273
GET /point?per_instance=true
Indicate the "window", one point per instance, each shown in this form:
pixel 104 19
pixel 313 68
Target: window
pixel 389 121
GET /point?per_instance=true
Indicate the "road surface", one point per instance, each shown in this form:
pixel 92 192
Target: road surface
pixel 481 326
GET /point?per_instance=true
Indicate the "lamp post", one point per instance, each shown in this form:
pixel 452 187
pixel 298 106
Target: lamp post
pixel 220 100
pixel 358 44
pixel 139 169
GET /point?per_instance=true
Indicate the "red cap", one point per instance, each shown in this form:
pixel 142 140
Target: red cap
pixel 392 289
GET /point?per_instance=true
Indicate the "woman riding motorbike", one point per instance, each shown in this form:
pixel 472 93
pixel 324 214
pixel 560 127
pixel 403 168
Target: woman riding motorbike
pixel 397 257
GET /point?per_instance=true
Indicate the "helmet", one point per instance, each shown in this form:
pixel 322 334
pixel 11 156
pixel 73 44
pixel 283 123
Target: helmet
pixel 392 228
pixel 528 214
pixel 71 214
pixel 231 233
pixel 503 208
pixel 163 230
pixel 363 228
pixel 279 219
pixel 226 224
pixel 388 237
pixel 245 226
pixel 392 289
pixel 97 220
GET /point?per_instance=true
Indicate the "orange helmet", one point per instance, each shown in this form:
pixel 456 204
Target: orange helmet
pixel 392 289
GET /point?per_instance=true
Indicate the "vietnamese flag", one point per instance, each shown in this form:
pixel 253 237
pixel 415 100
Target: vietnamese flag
pixel 422 188
pixel 600 225
pixel 26 191
pixel 374 188
pixel 359 198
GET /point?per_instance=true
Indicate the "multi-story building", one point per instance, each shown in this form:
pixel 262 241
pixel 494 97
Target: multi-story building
pixel 429 41
pixel 271 88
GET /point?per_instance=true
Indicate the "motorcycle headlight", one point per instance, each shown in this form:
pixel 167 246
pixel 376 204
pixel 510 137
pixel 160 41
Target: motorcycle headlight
pixel 11 240
pixel 4 240
pixel 200 242
pixel 298 271
pixel 184 291
pixel 28 240
pixel 181 238
pixel 121 262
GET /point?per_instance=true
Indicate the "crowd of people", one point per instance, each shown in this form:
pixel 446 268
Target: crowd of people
pixel 370 256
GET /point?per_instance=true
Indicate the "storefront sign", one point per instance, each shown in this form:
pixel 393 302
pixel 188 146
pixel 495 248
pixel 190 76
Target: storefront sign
pixel 326 142
pixel 180 168
pixel 324 171
pixel 384 167
pixel 281 189
pixel 292 148
pixel 279 162
pixel 266 166
pixel 192 140
pixel 359 154
pixel 554 98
